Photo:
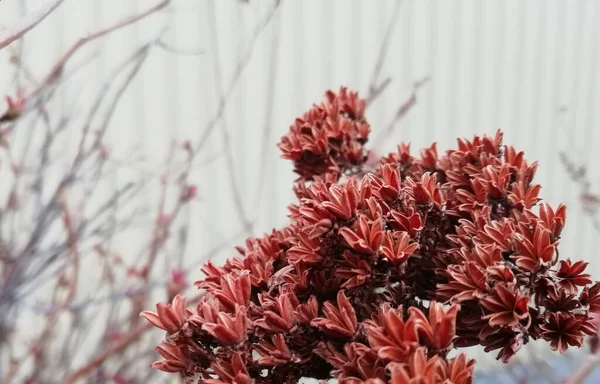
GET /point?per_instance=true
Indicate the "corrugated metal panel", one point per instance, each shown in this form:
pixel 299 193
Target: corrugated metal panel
pixel 493 64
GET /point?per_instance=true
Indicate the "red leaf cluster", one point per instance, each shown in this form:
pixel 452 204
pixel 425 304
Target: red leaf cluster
pixel 329 139
pixel 381 274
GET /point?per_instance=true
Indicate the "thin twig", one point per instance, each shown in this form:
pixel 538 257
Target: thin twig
pixel 58 67
pixel 266 137
pixel 584 370
pixel 376 89
pixel 237 198
pixel 115 348
pixel 179 50
pixel 29 22
pixel 239 70
pixel 403 109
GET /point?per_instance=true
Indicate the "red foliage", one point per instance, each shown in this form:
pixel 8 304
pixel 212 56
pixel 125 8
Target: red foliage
pixel 329 139
pixel 380 275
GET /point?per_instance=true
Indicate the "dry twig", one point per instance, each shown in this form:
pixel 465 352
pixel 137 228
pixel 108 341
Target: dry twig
pixel 29 22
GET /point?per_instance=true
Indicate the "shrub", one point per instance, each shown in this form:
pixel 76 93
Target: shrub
pixel 384 270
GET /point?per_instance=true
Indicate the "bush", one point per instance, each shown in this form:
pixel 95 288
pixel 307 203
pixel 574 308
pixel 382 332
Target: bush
pixel 385 269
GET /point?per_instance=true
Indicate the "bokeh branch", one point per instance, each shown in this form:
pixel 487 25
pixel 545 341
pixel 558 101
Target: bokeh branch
pixel 67 259
pixel 28 22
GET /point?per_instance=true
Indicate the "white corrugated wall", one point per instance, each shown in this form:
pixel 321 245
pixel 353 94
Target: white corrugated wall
pixel 529 68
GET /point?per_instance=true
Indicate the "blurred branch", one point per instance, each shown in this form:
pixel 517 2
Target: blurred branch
pixel 270 82
pixel 376 88
pixel 178 50
pixel 74 210
pixel 29 22
pixel 578 174
pixel 240 67
pixel 237 198
pixel 590 201
pixel 585 369
pixel 117 347
pixel 403 109
pixel 50 230
pixel 58 67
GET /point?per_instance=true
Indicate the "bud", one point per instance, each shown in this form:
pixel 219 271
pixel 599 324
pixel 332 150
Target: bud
pixel 15 109
pixel 103 153
pixel 189 192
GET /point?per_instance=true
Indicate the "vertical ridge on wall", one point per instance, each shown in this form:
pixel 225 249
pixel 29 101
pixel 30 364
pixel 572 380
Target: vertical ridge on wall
pixel 268 148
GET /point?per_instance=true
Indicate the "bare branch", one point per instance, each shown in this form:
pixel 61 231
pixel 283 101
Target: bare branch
pixel 179 50
pixel 376 89
pixel 136 334
pixel 403 109
pixel 29 22
pixel 586 368
pixel 118 347
pixel 240 67
pixel 57 69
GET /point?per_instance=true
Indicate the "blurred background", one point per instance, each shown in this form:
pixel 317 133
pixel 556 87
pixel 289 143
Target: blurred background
pixel 147 145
